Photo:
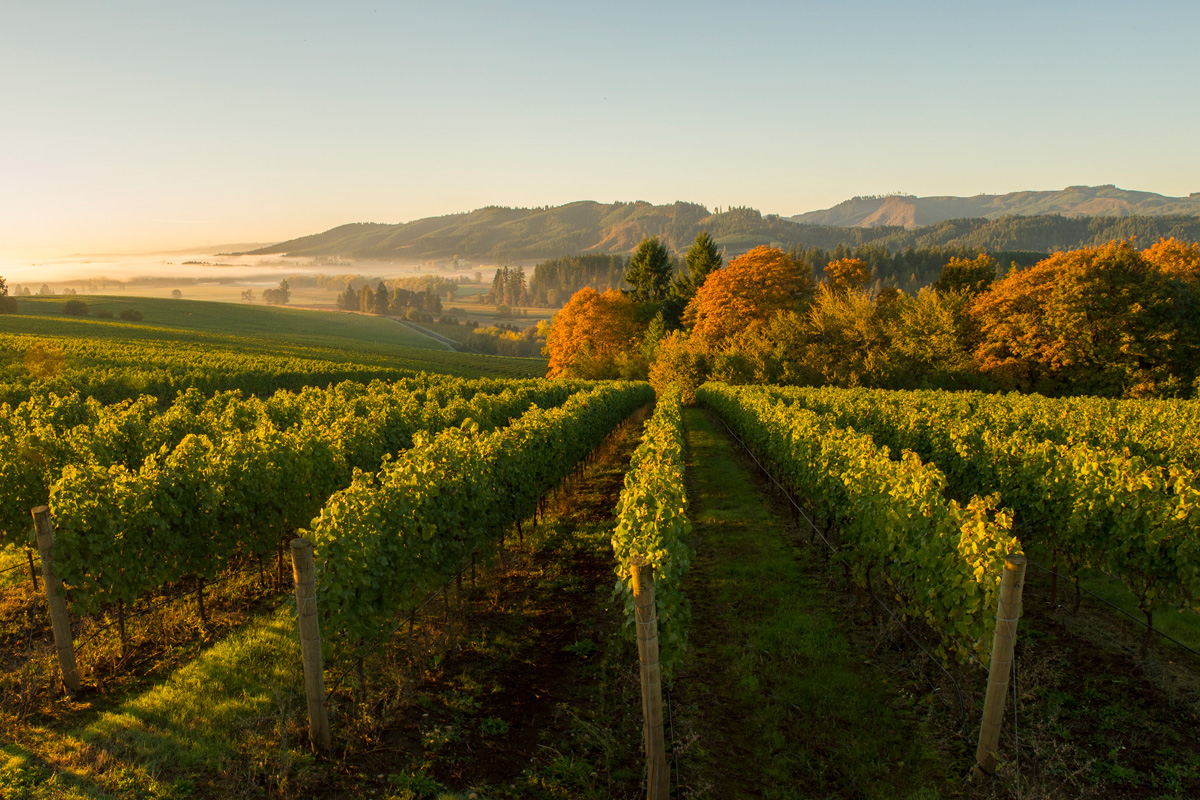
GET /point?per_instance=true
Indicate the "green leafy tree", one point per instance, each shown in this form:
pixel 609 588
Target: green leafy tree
pixel 380 305
pixel 650 271
pixel 848 345
pixel 278 297
pixel 931 339
pixel 847 275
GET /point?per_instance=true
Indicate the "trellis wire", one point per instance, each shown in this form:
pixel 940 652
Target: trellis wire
pixel 1116 607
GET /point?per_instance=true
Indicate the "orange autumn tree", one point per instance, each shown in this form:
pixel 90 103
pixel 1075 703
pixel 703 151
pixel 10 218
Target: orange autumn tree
pixel 1099 320
pixel 1176 259
pixel 848 275
pixel 591 334
pixel 745 294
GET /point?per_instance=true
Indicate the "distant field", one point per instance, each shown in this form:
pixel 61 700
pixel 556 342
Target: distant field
pixel 332 329
pixel 230 292
pixel 183 343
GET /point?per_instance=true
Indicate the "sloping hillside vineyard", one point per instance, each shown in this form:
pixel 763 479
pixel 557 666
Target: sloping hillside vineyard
pixel 389 538
pixel 191 509
pixel 400 482
pixel 109 367
pixel 44 435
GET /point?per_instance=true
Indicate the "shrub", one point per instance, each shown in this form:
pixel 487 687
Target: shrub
pixel 679 362
pixel 131 315
pixel 76 308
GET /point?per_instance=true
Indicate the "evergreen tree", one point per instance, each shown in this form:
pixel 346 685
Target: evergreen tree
pixel 346 301
pixel 499 284
pixel 514 287
pixel 650 271
pixel 702 258
pixel 381 299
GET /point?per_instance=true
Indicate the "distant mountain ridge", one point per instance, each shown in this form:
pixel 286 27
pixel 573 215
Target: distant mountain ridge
pixel 523 235
pixel 1074 201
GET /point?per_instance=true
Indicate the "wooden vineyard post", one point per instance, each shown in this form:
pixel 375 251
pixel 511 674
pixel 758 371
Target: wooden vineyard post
pixel 60 620
pixel 646 618
pixel 1011 585
pixel 305 577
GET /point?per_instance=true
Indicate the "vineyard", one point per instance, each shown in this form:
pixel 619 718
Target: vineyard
pixel 356 546
pixel 253 350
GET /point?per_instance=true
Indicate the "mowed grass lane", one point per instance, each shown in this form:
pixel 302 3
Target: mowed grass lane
pixel 773 701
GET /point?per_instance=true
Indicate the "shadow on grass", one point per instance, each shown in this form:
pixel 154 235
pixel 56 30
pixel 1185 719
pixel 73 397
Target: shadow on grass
pixel 242 696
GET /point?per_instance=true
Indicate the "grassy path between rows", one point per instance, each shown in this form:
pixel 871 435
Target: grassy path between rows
pixel 774 702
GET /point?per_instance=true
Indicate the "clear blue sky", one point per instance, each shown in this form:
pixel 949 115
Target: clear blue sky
pixel 127 125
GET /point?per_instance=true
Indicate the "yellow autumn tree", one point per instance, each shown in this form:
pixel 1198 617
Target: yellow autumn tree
pixel 746 294
pixel 591 335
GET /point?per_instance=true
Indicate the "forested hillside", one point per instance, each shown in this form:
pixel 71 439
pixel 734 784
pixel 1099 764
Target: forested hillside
pixel 513 235
pixel 910 211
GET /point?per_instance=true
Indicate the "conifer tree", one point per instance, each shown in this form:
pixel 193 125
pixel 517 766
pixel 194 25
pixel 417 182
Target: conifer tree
pixel 702 258
pixel 649 272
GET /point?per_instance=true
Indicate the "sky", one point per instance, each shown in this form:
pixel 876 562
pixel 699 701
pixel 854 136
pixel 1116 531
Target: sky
pixel 139 126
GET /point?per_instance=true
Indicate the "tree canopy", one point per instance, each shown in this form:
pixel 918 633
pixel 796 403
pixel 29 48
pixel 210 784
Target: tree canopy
pixel 970 276
pixel 591 334
pixel 1100 320
pixel 847 275
pixel 746 293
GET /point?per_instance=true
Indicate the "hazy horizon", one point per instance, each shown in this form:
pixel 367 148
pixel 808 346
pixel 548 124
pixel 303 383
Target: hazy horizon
pixel 139 128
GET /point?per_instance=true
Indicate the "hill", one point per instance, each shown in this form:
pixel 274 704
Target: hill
pixel 1074 201
pixel 505 234
pixel 515 235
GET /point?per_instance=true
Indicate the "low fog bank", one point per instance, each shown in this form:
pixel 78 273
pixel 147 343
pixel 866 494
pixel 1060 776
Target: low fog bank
pixel 315 282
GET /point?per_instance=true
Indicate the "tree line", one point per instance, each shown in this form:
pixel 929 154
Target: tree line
pixel 1108 320
pixel 423 306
